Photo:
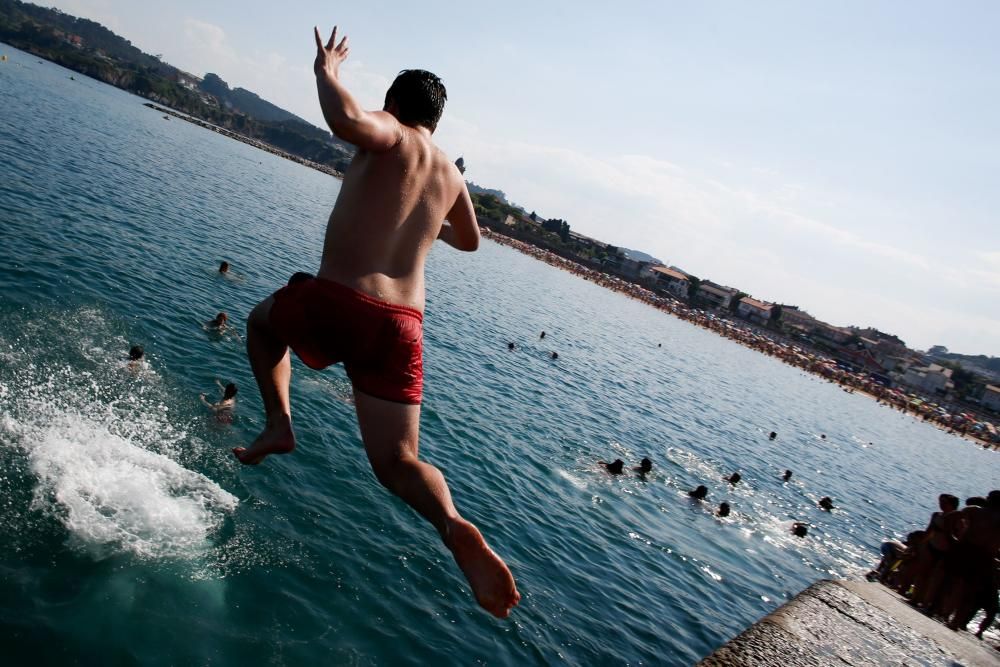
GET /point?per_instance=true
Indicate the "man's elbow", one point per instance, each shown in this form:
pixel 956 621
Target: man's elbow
pixel 471 244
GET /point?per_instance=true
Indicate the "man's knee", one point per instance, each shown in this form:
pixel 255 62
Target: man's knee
pixel 391 472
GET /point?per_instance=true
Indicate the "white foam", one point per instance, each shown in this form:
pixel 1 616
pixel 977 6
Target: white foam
pixel 101 446
pixel 112 495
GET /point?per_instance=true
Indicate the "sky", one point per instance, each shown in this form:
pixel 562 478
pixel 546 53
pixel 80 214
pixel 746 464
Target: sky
pixel 843 157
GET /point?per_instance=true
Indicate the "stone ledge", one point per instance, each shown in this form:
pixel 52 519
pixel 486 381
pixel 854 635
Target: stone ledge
pixel 850 623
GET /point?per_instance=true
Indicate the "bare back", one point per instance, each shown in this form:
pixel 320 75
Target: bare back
pixel 389 212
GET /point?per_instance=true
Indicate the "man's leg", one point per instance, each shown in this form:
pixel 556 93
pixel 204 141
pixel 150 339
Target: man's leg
pixel 391 432
pixel 272 367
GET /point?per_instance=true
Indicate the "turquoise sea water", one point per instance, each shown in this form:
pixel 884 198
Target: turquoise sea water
pixel 129 534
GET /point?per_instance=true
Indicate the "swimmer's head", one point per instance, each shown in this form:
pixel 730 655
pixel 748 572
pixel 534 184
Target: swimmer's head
pixel 800 530
pixel 229 392
pixel 220 319
pixel 615 467
pixel 723 509
pixel 947 502
pixel 416 97
pixel 135 354
pixel 224 267
pixel 645 465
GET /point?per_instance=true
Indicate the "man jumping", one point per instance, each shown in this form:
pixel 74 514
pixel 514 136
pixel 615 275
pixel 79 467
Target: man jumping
pixel 365 306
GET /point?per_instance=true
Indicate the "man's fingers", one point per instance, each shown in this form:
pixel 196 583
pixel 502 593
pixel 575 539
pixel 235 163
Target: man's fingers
pixel 333 38
pixel 319 40
pixel 343 44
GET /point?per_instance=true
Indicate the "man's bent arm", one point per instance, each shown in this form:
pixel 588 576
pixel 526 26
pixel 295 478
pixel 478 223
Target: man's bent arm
pixel 461 229
pixel 368 130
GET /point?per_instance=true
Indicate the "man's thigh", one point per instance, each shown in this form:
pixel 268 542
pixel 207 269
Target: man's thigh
pixel 390 430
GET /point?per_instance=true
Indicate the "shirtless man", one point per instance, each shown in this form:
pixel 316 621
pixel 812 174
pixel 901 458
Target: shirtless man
pixel 365 306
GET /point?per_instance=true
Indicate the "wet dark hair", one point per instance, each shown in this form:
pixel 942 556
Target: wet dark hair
pixel 419 97
pixel 700 493
pixel 949 500
pixel 223 267
pixel 135 354
pixel 993 499
pixel 975 501
pixel 230 391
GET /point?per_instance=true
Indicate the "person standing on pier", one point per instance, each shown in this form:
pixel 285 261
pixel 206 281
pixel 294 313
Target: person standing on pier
pixel 365 306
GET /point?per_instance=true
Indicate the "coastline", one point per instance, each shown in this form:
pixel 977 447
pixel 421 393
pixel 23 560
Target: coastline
pixel 737 331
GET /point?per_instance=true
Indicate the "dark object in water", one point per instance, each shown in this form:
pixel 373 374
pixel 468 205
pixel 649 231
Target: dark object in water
pixel 800 529
pixel 724 509
pixel 615 467
pixel 734 479
pixel 826 503
pixel 700 493
pixel 772 436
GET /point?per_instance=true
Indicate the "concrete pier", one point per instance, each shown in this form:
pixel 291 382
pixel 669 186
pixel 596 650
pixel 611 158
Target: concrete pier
pixel 850 623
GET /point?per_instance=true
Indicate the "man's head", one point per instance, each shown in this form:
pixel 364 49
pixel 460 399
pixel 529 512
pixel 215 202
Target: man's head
pixel 947 502
pixel 229 392
pixel 646 465
pixel 135 354
pixel 416 97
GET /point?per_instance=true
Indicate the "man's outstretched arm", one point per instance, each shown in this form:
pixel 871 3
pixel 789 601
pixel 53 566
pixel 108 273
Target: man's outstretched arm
pixel 461 230
pixel 368 130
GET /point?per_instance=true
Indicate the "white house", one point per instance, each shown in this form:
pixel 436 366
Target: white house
pixel 754 310
pixel 929 379
pixel 672 281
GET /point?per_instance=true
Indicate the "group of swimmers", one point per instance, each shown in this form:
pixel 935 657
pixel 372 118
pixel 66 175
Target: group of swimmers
pixel 950 568
pixel 700 493
pixel 223 408
pixel 511 345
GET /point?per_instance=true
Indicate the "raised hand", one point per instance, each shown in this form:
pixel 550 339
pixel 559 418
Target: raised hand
pixel 329 57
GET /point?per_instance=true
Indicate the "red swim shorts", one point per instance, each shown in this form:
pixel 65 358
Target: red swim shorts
pixel 380 344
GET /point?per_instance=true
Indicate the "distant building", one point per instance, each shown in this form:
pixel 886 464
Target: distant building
pixel 795 317
pixel 929 379
pixel 755 311
pixel 838 335
pixel 671 281
pixel 991 397
pixel 716 296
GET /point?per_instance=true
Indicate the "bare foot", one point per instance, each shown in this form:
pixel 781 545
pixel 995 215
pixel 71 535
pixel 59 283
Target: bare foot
pixel 491 580
pixel 274 439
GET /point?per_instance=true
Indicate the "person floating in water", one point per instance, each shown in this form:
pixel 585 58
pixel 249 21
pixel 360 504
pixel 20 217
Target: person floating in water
pixel 542 336
pixel 723 509
pixel 219 323
pixel 644 467
pixel 555 355
pixel 772 435
pixel 826 503
pixel 135 355
pixel 734 479
pixel 223 409
pixel 365 306
pixel 224 268
pixel 700 493
pixel 615 467
pixel 787 476
pixel 800 529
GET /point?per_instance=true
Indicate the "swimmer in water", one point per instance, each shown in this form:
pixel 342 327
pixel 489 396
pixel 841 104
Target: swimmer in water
pixel 615 467
pixel 723 509
pixel 224 268
pixel 219 323
pixel 787 476
pixel 826 503
pixel 365 307
pixel 800 529
pixel 772 436
pixel 542 336
pixel 510 345
pixel 135 355
pixel 224 408
pixel 734 479
pixel 555 355
pixel 700 493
